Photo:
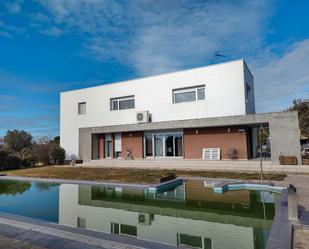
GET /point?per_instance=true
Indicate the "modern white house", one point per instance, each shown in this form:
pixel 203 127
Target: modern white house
pixel 201 113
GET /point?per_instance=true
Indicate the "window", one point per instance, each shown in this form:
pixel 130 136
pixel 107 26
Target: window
pixel 81 222
pixel 82 108
pixel 114 228
pixel 163 144
pixel 123 229
pixel 122 103
pixel 128 230
pixel 189 94
pixel 148 145
pixel 194 241
pixel 201 93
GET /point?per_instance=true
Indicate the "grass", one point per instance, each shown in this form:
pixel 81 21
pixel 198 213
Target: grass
pixel 128 175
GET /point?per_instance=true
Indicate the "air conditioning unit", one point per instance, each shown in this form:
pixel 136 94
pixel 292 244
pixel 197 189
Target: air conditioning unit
pixel 142 117
pixel 144 219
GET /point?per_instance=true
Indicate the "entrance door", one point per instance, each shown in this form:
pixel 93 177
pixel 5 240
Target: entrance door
pixel 108 148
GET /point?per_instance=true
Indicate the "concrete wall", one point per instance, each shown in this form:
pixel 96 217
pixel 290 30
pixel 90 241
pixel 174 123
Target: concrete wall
pixel 225 96
pixel 285 136
pixel 222 137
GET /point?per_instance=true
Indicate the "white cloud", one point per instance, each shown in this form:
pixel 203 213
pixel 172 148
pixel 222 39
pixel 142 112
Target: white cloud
pixel 8 31
pixel 52 31
pixel 14 7
pixel 159 36
pixel 279 79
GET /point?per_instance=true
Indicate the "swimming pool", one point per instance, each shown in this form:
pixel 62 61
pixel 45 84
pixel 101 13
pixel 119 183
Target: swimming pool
pixel 189 215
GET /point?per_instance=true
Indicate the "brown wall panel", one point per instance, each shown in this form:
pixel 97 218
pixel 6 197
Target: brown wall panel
pixel 220 137
pixel 134 141
pixel 101 146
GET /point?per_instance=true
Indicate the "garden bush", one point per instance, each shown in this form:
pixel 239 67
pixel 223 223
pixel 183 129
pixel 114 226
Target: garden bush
pixel 57 154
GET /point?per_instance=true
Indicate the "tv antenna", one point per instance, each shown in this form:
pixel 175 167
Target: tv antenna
pixel 217 54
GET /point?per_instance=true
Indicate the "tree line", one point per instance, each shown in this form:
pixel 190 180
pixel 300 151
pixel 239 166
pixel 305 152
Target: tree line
pixel 19 149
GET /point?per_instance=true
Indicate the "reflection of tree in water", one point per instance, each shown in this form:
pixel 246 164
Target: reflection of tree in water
pixel 13 187
pixel 45 186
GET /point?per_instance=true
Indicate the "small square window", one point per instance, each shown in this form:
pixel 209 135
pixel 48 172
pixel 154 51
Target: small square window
pixel 82 108
pixel 81 222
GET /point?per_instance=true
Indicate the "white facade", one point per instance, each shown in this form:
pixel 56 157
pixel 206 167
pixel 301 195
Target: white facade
pixel 229 91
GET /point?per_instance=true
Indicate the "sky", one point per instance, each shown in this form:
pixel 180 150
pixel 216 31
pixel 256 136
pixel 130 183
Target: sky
pixel 49 46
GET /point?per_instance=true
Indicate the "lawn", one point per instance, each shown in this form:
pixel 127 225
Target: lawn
pixel 127 175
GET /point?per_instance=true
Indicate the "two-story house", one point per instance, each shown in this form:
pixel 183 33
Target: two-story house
pixel 189 114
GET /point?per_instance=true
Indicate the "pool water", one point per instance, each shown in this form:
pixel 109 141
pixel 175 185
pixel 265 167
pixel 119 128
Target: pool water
pixel 190 215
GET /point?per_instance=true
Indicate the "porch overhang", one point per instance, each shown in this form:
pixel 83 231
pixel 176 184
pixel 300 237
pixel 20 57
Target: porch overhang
pixel 283 126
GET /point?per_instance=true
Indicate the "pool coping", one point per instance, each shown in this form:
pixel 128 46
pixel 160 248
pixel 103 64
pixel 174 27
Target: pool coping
pixel 280 235
pixel 152 188
pixel 223 187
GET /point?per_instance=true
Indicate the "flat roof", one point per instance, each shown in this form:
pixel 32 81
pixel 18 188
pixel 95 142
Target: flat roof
pixel 159 75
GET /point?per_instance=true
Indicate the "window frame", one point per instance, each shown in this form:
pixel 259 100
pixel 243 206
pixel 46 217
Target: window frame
pixel 118 100
pixel 187 90
pixel 79 109
pixel 174 133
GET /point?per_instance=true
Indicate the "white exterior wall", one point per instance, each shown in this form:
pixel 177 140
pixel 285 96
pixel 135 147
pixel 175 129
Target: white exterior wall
pixel 224 88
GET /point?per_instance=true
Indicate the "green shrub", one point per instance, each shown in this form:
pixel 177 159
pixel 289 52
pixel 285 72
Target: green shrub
pixel 13 162
pixel 57 154
pixel 27 156
pixel 3 158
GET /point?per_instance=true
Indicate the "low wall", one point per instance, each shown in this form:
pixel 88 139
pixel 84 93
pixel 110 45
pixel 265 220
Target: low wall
pixel 186 164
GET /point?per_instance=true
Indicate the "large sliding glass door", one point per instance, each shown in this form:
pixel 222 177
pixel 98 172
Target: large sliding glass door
pixel 158 148
pixel 148 145
pixel 167 144
pixel 178 145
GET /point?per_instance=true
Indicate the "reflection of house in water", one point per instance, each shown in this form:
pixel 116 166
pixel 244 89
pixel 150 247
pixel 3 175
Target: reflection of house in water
pixel 189 215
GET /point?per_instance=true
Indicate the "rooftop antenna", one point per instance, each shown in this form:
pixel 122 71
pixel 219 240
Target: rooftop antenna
pixel 216 55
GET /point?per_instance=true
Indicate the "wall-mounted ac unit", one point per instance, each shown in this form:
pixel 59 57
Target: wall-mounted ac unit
pixel 144 219
pixel 142 117
pixel 211 153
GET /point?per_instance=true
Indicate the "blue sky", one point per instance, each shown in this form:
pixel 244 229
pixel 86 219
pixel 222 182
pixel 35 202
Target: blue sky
pixel 48 46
